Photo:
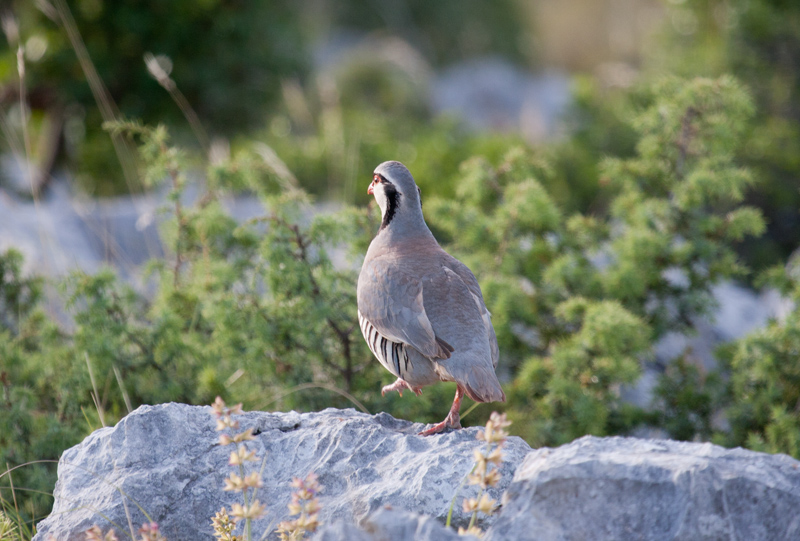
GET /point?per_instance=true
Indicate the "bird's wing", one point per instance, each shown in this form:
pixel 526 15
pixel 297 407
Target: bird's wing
pixel 454 313
pixel 471 282
pixel 390 298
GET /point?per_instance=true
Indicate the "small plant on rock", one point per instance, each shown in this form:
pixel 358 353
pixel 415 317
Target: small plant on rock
pixel 304 503
pixel 148 532
pixel 223 526
pixel 96 534
pixel 248 484
pixel 483 474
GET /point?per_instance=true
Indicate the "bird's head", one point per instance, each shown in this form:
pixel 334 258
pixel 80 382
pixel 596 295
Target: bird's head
pixel 396 193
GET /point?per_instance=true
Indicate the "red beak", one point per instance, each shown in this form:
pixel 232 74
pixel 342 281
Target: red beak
pixel 369 190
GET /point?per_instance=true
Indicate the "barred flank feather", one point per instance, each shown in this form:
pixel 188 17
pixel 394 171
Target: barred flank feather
pixel 387 352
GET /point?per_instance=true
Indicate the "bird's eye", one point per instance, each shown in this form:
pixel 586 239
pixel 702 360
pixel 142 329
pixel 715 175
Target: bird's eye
pixel 376 178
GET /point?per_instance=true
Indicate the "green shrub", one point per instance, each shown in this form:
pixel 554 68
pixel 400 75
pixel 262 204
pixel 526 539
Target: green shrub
pixel 39 417
pixel 762 395
pixel 758 42
pixel 578 299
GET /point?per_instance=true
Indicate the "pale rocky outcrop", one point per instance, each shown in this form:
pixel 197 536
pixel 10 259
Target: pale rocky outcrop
pixel 383 482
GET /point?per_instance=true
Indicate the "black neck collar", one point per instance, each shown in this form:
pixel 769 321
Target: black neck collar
pixel 392 202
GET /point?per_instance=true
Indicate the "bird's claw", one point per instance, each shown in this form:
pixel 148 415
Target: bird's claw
pixel 400 385
pixel 451 421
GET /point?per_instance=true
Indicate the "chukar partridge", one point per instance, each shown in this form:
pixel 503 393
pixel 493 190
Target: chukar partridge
pixel 420 309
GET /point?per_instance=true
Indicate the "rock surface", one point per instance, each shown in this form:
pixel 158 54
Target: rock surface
pixel 390 525
pixel 490 93
pixel 624 488
pixel 167 461
pixel 383 482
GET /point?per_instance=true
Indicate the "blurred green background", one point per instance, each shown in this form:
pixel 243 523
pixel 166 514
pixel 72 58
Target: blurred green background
pixel 617 173
pixel 294 73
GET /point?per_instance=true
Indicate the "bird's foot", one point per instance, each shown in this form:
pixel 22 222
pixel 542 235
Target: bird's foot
pixel 400 385
pixel 453 420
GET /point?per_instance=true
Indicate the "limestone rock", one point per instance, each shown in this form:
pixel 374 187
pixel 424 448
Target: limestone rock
pixel 383 482
pixel 164 460
pixel 625 488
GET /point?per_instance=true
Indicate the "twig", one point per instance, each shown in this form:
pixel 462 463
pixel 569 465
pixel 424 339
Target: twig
pixel 174 175
pixel 125 397
pixel 160 74
pixel 23 111
pixel 95 396
pixel 105 102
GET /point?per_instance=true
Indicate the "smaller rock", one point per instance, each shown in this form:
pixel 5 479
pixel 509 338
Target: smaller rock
pixel 626 488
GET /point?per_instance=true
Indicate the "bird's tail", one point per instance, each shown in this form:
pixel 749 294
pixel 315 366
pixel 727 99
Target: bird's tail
pixel 482 385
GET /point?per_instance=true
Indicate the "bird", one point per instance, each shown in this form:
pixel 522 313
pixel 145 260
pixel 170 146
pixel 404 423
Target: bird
pixel 420 309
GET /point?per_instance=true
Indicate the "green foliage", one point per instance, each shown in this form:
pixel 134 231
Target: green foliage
pixel 327 142
pixel 236 65
pixel 763 390
pixel 758 42
pixel 587 251
pixel 249 57
pixel 18 294
pixel 452 29
pixel 257 306
pixel 599 125
pixel 8 529
pixel 38 418
pixel 229 76
pixel 586 295
pixel 676 200
pixel 686 400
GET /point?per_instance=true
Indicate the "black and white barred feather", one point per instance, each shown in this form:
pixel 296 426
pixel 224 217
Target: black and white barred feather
pixel 389 353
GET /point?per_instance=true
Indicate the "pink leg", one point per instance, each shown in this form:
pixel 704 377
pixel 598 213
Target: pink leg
pixel 400 385
pixel 453 419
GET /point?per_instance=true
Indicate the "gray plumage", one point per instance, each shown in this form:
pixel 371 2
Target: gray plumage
pixel 420 309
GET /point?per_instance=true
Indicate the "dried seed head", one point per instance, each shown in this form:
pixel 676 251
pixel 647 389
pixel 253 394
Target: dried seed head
pixel 218 406
pixel 253 480
pixel 241 455
pixel 253 511
pixel 500 420
pixel 472 530
pixel 486 505
pixel 234 483
pixel 160 67
pixel 491 479
pixel 223 526
pixel 96 534
pixel 496 456
pixel 494 432
pixel 149 532
pixel 247 435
